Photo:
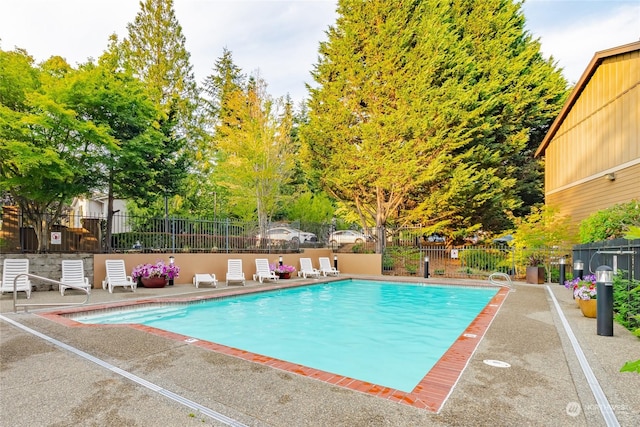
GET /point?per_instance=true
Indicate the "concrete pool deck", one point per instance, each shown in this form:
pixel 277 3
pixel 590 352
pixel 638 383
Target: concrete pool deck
pixel 44 384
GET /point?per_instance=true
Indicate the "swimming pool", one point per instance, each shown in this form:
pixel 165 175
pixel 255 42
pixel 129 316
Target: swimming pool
pixel 389 334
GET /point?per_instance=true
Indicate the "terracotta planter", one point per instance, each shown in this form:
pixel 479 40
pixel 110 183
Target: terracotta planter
pixel 285 275
pixel 535 275
pixel 153 282
pixel 588 307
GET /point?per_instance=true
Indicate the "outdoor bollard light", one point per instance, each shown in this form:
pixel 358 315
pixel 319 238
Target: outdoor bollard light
pixel 578 268
pixel 335 262
pixel 563 273
pixel 604 300
pixel 280 260
pixel 172 261
pixel 426 267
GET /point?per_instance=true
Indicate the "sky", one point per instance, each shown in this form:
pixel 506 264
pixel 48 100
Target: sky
pixel 279 39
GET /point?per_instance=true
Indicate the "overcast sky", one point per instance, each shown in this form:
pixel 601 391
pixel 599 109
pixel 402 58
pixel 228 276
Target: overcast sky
pixel 280 37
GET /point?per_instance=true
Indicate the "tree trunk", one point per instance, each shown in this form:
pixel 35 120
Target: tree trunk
pixel 41 227
pixel 107 240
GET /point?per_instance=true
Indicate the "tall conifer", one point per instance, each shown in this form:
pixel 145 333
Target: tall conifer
pixel 423 110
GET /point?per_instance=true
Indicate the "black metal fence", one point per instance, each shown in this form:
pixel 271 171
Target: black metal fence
pixel 469 261
pixel 406 247
pixel 619 254
pixel 144 234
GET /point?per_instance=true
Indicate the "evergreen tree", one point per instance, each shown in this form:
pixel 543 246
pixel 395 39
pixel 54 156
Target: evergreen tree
pixel 225 80
pixel 155 50
pixel 417 114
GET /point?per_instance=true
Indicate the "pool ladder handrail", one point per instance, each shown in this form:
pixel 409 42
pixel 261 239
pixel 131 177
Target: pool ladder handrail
pixel 493 281
pixel 52 304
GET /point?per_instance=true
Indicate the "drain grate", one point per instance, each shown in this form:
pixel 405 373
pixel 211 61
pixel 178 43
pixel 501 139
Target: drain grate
pixel 497 363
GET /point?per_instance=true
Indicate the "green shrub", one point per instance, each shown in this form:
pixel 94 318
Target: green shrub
pixel 387 262
pixel 611 223
pixel 411 268
pixel 357 248
pixel 626 302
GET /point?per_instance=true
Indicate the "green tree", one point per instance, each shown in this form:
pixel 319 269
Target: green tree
pixel 309 207
pixel 48 152
pixel 155 50
pixel 538 233
pixel 226 79
pixel 415 119
pixel 133 163
pixel 253 157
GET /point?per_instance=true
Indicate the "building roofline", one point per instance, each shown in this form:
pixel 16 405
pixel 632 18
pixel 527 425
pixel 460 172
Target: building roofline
pixel 597 59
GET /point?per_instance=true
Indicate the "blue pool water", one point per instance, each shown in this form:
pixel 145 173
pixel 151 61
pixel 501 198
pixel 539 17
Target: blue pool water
pixel 385 333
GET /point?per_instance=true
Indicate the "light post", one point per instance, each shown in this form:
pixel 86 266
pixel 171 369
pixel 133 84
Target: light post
pixel 578 268
pixel 426 267
pixel 280 260
pixel 604 300
pixel 172 261
pixel 563 273
pixel 335 262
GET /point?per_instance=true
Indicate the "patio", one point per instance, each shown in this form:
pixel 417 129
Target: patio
pixel 43 384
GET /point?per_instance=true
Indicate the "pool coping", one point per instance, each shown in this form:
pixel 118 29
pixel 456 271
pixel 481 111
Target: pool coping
pixel 430 394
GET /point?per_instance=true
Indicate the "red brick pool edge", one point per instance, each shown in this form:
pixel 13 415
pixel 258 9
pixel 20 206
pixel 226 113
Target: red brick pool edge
pixel 430 394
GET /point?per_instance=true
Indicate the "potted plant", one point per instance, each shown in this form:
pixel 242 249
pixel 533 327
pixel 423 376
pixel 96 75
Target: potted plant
pixel 535 269
pixel 586 294
pixel 283 271
pixel 155 275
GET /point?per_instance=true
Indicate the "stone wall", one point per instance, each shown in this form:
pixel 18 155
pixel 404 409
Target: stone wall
pixel 50 266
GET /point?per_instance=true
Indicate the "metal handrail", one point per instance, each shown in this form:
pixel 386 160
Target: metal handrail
pixel 15 293
pixel 493 281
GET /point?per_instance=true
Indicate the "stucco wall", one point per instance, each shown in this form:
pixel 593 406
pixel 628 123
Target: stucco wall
pixel 49 265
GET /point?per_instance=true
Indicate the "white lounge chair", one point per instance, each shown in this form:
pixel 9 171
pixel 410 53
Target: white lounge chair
pixel 306 269
pixel 73 274
pixel 11 268
pixel 205 278
pixel 263 271
pixel 117 276
pixel 234 271
pixel 326 268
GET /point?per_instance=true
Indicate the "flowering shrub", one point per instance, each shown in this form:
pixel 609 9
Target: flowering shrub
pixel 577 282
pixel 586 292
pixel 284 268
pixel 159 269
pixel 584 288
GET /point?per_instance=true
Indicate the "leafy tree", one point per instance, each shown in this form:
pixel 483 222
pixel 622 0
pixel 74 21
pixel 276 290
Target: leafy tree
pixel 421 114
pixel 309 207
pixel 542 229
pixel 113 99
pixel 253 151
pixel 48 152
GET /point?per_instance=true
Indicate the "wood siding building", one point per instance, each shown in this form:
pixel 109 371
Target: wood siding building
pixel 592 150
